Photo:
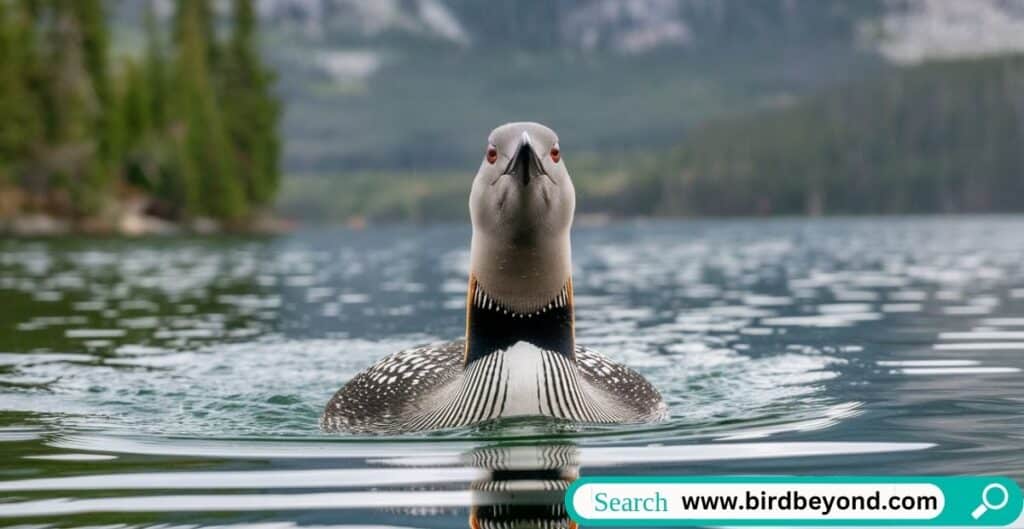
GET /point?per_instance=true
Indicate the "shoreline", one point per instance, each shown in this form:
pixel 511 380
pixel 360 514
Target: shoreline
pixel 49 226
pixel 42 225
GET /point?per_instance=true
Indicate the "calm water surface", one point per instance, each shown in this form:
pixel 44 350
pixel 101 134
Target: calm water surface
pixel 179 382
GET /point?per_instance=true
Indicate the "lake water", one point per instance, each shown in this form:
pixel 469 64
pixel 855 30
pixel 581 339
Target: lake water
pixel 179 382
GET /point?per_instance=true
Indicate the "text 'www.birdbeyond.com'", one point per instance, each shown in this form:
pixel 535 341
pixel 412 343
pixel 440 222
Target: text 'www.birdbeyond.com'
pixel 929 501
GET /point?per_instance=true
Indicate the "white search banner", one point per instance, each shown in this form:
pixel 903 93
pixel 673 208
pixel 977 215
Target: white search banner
pixel 758 501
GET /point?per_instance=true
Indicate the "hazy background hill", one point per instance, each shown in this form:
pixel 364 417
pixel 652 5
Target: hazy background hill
pixel 401 93
pixel 415 84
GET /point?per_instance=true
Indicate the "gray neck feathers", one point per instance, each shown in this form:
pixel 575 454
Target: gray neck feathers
pixel 524 277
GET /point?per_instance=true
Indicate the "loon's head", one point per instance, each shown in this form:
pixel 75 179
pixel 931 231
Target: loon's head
pixel 522 193
pixel 522 205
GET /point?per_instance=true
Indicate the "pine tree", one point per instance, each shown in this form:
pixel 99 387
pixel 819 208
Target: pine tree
pixel 251 110
pixel 204 23
pixel 175 123
pixel 91 22
pixel 136 104
pixel 155 70
pixel 92 25
pixel 19 123
pixel 74 109
pixel 205 139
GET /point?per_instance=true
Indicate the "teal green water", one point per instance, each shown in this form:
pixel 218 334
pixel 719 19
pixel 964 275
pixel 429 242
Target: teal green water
pixel 179 382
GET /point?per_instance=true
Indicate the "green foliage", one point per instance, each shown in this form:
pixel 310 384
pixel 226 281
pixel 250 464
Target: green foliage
pixel 205 135
pixel 941 137
pixel 156 77
pixel 20 128
pixel 91 24
pixel 251 110
pixel 193 129
pixel 75 112
pixel 196 16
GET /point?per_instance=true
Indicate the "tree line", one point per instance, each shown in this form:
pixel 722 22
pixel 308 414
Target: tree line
pixel 942 137
pixel 189 125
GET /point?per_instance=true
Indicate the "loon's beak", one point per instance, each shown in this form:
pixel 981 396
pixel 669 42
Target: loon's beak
pixel 525 165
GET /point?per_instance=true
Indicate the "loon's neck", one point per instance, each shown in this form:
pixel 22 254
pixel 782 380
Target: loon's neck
pixel 524 273
pixel 493 325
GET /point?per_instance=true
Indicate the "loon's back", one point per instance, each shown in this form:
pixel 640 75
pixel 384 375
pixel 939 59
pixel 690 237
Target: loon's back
pixel 428 388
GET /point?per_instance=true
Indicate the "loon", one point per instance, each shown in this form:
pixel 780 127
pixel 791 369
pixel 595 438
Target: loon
pixel 519 355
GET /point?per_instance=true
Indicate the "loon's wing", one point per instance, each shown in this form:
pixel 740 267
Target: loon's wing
pixel 624 393
pixel 384 396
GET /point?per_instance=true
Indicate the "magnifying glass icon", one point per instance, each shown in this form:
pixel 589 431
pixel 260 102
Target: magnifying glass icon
pixel 986 504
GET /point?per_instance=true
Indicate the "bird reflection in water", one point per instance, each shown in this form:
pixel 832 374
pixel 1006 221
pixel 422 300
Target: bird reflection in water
pixel 522 486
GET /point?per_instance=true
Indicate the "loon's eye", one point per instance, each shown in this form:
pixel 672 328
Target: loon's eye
pixel 556 153
pixel 492 154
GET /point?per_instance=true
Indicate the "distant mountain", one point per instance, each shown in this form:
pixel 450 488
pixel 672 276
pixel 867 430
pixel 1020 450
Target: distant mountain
pixel 636 26
pixel 903 30
pixel 416 84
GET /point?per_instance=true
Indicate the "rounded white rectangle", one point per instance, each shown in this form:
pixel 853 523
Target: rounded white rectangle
pixel 758 501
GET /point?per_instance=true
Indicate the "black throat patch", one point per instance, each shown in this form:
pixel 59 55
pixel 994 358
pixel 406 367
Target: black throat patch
pixel 490 326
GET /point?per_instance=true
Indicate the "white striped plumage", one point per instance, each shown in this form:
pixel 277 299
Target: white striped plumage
pixel 520 381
